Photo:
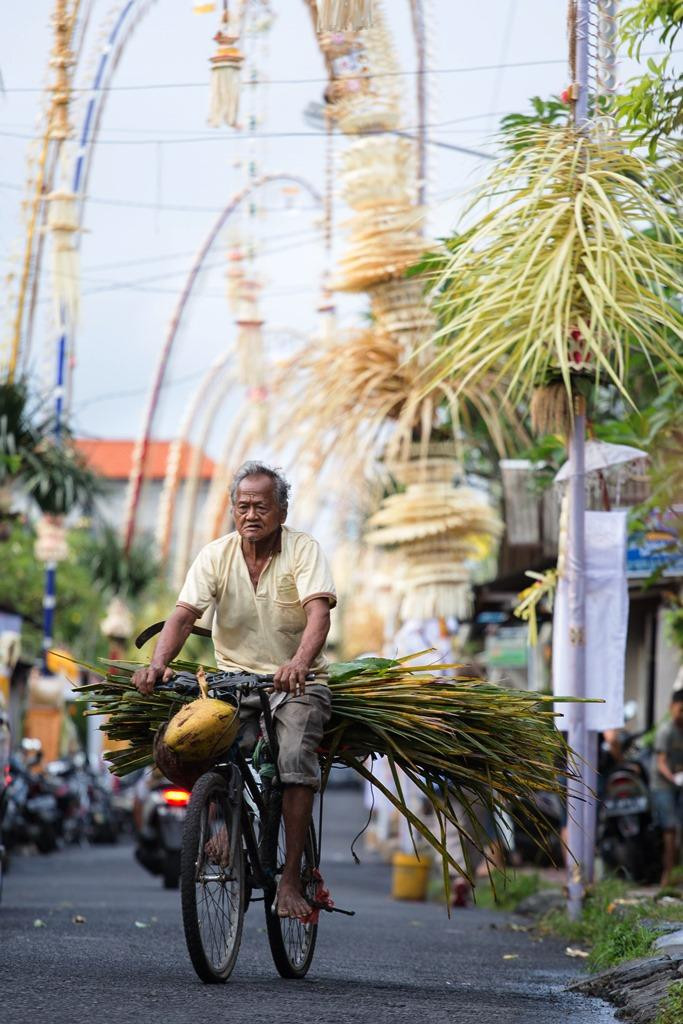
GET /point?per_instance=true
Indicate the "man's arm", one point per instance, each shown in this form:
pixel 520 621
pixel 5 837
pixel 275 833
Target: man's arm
pixel 177 628
pixel 663 768
pixel 292 675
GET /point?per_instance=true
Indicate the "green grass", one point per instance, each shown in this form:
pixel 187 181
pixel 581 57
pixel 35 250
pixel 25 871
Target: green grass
pixel 612 937
pixel 506 891
pixel 671 1010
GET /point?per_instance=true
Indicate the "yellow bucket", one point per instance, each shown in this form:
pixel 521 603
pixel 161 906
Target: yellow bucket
pixel 410 876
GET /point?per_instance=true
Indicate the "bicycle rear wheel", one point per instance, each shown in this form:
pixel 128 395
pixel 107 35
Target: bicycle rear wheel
pixel 212 891
pixel 292 943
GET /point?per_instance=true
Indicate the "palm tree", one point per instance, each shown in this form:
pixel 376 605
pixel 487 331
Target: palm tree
pixel 53 475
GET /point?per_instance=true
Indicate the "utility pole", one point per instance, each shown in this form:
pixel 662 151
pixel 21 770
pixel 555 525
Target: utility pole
pixel 581 854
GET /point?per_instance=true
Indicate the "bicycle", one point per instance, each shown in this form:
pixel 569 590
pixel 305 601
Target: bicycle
pixel 233 844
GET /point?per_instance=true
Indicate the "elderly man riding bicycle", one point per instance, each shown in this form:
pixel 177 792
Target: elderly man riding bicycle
pixel 271 591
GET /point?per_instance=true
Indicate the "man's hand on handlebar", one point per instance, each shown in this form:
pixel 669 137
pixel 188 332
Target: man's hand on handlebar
pixel 291 677
pixel 145 679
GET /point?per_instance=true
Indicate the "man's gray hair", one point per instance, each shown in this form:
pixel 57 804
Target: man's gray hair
pixel 280 486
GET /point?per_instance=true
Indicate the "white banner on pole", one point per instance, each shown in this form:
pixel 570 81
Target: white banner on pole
pixel 606 623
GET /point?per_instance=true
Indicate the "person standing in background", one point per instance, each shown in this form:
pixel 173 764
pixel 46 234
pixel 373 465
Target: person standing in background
pixel 667 783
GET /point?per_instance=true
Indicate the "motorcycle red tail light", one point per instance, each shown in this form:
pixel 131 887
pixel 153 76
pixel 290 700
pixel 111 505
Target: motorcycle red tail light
pixel 176 797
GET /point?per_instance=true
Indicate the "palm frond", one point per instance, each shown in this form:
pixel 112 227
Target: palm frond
pixel 457 738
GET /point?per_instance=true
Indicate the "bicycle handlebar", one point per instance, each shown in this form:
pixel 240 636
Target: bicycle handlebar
pixel 220 683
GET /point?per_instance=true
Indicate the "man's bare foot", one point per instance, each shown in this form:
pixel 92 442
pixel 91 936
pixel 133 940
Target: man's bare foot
pixel 289 900
pixel 217 848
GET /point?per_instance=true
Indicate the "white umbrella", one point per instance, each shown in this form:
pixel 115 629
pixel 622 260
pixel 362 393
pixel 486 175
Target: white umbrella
pixel 602 455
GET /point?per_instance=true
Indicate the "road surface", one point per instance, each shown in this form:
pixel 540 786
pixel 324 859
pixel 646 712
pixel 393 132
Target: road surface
pixel 392 962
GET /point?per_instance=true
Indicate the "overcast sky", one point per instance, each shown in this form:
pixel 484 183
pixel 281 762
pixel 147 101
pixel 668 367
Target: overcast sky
pixel 160 176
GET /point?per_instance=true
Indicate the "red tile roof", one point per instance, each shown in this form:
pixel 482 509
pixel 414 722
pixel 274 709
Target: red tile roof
pixel 112 459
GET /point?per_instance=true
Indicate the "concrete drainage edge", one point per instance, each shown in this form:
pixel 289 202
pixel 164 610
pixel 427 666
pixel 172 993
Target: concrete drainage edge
pixel 637 987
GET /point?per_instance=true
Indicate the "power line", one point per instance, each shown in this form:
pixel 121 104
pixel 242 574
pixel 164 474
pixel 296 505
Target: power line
pixel 210 133
pixel 412 73
pixel 238 137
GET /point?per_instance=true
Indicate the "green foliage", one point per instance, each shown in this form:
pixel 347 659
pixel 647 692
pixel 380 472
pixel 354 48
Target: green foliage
pixel 79 606
pixel 515 134
pixel 671 1010
pixel 117 571
pixel 673 625
pixel 653 107
pixel 54 476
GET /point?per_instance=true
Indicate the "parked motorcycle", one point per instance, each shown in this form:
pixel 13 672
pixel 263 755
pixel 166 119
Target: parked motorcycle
pixel 159 816
pixel 31 814
pixel 629 841
pixel 70 783
pixel 104 823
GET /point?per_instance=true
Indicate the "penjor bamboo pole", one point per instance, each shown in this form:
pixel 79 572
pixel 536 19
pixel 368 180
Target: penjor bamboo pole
pixel 142 443
pixel 581 850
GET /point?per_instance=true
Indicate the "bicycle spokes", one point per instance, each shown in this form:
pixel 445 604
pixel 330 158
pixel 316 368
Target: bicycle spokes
pixel 218 884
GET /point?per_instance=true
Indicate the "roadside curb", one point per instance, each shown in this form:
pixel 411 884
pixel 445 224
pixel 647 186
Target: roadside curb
pixel 637 987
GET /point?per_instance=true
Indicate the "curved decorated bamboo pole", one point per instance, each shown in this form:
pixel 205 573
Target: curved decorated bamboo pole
pixel 169 490
pixel 29 283
pixel 142 443
pixel 217 499
pixel 167 500
pixel 117 36
pixel 189 516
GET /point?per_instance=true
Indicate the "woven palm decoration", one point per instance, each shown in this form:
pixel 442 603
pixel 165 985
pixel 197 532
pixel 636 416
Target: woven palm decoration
pixel 226 67
pixel 62 222
pixel 366 90
pixel 438 531
pixel 344 15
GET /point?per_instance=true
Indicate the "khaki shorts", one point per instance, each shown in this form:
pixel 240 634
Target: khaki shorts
pixel 299 726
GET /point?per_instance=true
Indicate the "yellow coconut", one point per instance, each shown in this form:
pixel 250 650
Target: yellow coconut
pixel 202 729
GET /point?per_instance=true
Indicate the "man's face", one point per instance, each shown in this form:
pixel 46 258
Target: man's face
pixel 256 512
pixel 677 713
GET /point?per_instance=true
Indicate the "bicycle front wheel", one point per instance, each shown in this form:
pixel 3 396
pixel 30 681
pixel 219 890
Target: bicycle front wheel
pixel 212 889
pixel 292 943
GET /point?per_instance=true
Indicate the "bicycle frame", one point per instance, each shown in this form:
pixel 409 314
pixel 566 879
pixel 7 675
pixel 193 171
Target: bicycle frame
pixel 238 775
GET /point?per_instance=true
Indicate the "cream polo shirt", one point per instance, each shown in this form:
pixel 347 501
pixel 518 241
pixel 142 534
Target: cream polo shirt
pixel 258 630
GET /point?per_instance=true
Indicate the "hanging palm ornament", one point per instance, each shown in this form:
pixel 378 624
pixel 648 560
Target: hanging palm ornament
pixel 62 224
pixel 557 281
pixel 51 544
pixel 438 529
pixel 226 65
pixel 234 275
pixel 344 15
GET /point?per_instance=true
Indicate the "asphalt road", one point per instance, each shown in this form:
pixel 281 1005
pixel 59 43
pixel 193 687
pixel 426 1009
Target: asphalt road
pixel 393 962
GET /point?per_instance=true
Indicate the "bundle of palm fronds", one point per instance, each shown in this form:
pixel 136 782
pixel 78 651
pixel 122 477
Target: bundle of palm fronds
pixel 458 739
pixel 574 264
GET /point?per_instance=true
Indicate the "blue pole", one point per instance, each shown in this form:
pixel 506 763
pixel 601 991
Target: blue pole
pixel 50 588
